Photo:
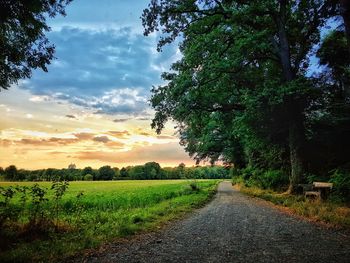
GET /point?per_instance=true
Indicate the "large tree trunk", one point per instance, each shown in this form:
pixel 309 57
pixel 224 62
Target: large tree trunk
pixel 295 129
pixel 296 141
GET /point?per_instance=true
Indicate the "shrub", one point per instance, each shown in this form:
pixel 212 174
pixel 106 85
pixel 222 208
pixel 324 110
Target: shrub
pixel 274 179
pixel 341 181
pixel 88 177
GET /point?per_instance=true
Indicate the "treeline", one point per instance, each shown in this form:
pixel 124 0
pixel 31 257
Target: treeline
pixel 148 171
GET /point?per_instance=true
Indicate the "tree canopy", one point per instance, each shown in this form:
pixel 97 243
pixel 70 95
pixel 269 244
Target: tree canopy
pixel 242 91
pixel 23 44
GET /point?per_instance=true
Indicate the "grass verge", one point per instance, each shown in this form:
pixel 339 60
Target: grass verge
pixel 106 211
pixel 327 212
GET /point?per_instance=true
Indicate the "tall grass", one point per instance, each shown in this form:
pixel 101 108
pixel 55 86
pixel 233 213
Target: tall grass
pixel 329 212
pixel 91 213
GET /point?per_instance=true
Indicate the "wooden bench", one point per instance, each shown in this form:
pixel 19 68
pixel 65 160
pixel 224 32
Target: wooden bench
pixel 320 190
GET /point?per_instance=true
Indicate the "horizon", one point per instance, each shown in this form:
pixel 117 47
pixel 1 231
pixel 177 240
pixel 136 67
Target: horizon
pixel 91 108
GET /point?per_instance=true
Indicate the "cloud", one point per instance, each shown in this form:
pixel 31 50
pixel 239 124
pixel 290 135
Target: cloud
pixel 115 145
pixel 84 135
pixel 5 142
pixel 143 119
pixel 165 137
pixel 121 120
pixel 39 98
pixel 70 116
pixel 164 153
pixel 103 139
pixel 111 71
pixel 46 142
pixel 119 134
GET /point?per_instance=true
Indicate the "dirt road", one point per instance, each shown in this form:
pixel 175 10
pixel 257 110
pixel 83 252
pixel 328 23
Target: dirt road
pixel 234 228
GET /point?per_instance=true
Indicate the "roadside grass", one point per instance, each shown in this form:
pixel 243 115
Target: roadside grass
pixel 329 212
pixel 105 211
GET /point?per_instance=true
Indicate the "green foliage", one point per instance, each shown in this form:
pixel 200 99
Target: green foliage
pixel 59 188
pixel 23 44
pixel 242 93
pixel 327 211
pixel 150 170
pixel 91 213
pixel 88 177
pixel 274 179
pixel 6 212
pixel 341 180
pixel 11 172
pixel 105 173
pixel 270 179
pixel 38 199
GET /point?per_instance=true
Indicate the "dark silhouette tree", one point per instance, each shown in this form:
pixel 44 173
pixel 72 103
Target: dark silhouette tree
pixel 23 44
pixel 106 173
pixel 11 172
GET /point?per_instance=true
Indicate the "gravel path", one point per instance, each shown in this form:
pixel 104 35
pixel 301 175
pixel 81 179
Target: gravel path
pixel 233 228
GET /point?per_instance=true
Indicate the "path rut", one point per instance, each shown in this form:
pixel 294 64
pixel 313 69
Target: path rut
pixel 234 228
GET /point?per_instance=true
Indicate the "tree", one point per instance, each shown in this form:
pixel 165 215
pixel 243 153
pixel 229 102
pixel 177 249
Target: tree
pixel 87 170
pixel 335 54
pixel 241 86
pixel 124 172
pixel 72 166
pixel 117 172
pixel 105 173
pixel 11 172
pixel 152 170
pixel 23 44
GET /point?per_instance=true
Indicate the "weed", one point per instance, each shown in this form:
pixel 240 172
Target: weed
pixel 59 188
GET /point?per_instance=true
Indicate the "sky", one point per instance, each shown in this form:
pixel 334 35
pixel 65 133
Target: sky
pixel 92 107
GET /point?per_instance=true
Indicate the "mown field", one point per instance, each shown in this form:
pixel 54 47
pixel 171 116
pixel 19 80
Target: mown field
pixel 89 214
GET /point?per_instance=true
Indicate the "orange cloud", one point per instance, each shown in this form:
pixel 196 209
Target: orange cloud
pixel 84 135
pixel 47 142
pixel 5 142
pixel 169 153
pixel 119 134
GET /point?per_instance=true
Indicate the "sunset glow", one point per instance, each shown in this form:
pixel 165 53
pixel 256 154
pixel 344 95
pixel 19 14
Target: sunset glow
pixel 91 108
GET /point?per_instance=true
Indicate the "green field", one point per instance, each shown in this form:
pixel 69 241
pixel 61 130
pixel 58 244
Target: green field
pixel 104 211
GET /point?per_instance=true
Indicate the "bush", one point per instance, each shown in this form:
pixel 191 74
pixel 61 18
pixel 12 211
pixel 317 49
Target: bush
pixel 341 181
pixel 274 179
pixel 88 177
pixel 271 179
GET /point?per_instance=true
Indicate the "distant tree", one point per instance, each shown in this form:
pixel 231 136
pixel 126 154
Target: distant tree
pixel 87 170
pixel 124 172
pixel 181 170
pixel 22 174
pixel 11 172
pixel 48 174
pixel 152 170
pixel 106 173
pixel 2 171
pixel 137 172
pixel 72 166
pixel 88 177
pixel 117 172
pixel 23 44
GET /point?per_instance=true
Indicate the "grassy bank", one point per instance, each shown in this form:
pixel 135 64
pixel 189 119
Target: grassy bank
pixel 91 213
pixel 332 213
